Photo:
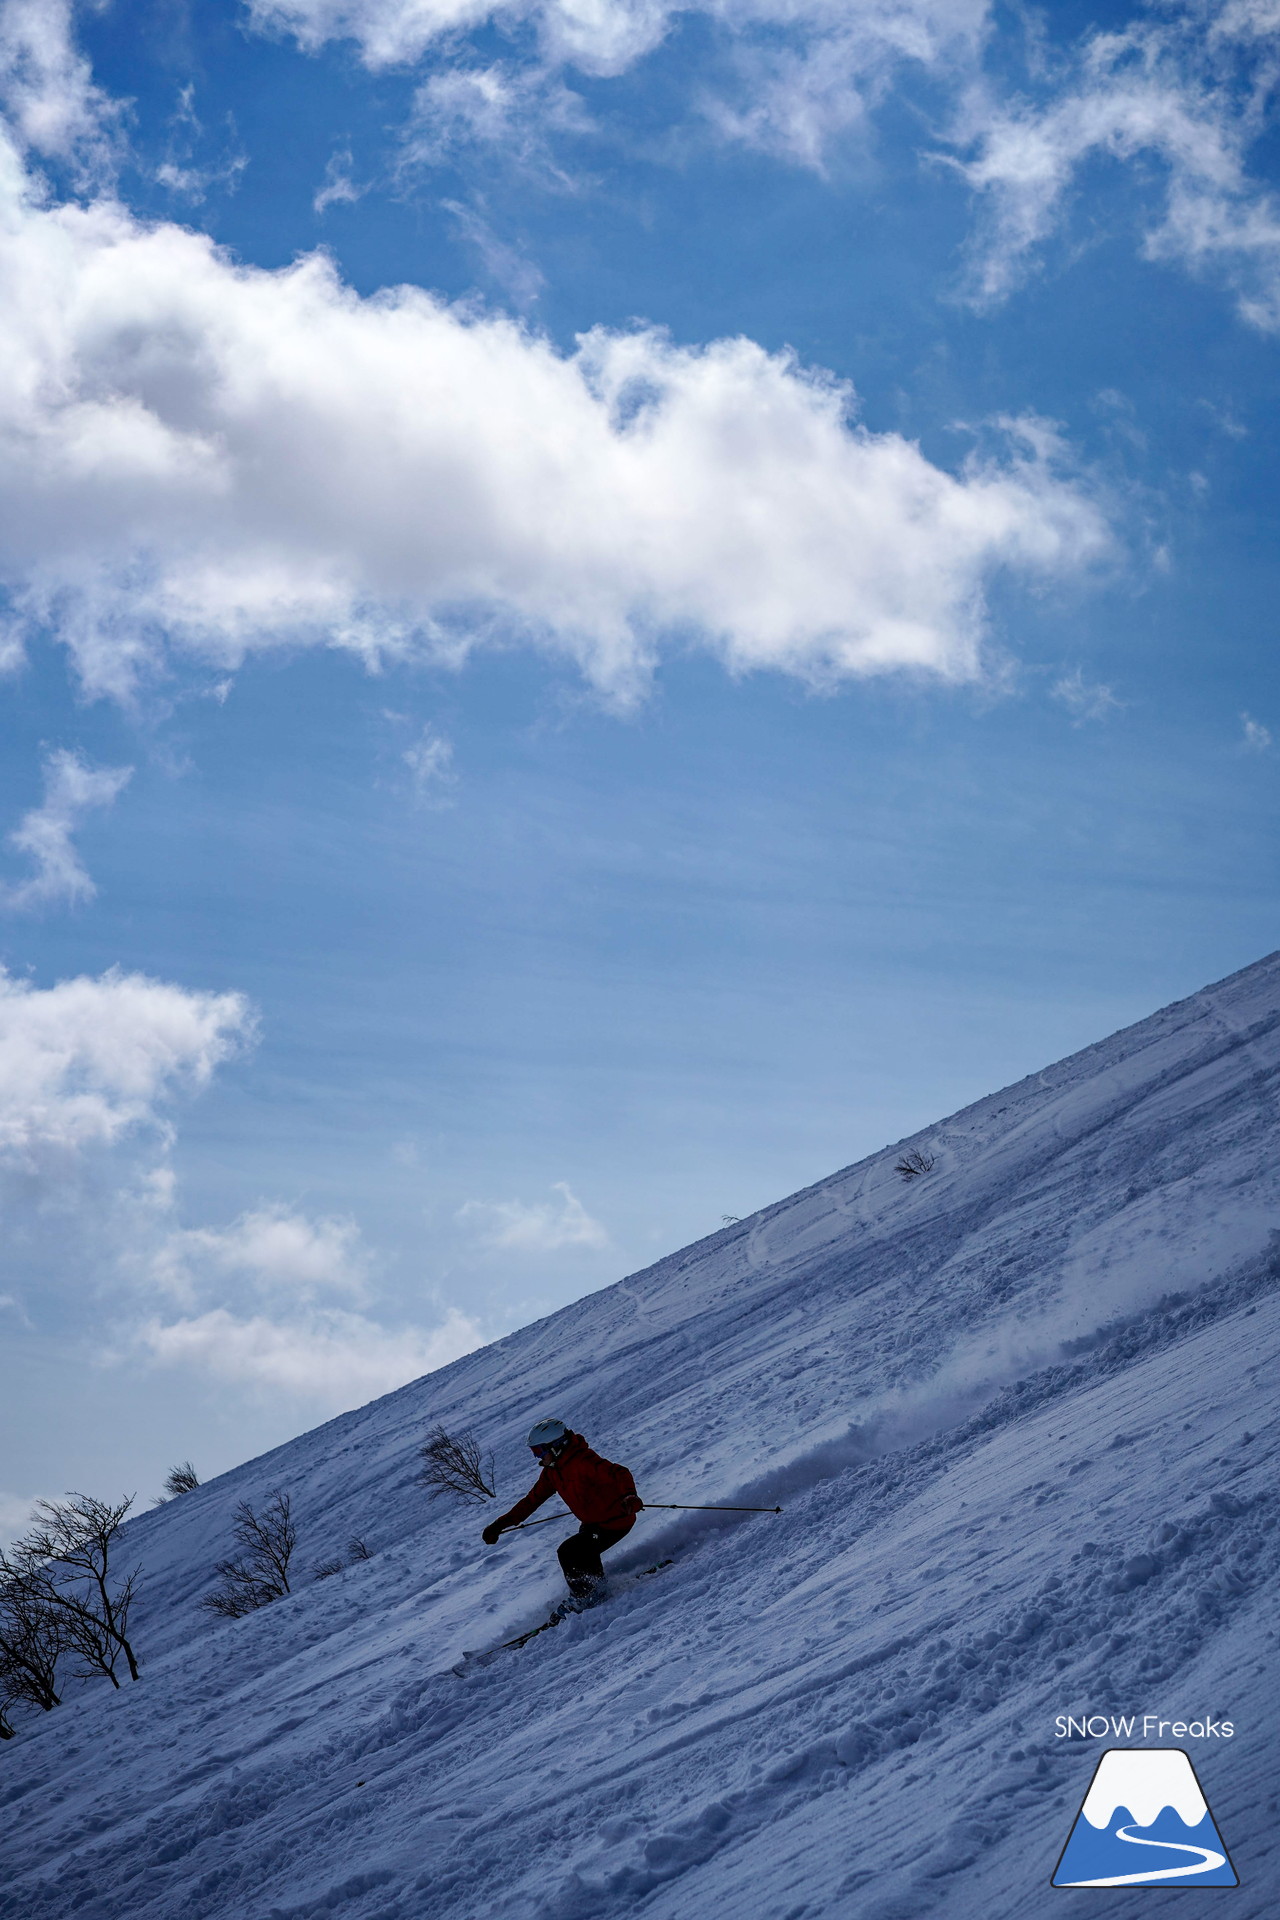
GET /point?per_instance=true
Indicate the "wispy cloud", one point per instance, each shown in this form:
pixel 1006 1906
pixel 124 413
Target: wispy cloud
pixel 805 77
pixel 72 788
pixel 797 73
pixel 1188 90
pixel 1257 738
pixel 430 761
pixel 517 112
pixel 518 276
pixel 511 1226
pixel 182 171
pixel 1085 700
pixel 337 188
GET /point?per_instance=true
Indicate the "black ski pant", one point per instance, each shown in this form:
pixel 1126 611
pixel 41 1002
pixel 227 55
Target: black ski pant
pixel 579 1556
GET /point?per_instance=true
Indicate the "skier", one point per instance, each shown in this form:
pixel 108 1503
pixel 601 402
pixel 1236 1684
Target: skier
pixel 598 1493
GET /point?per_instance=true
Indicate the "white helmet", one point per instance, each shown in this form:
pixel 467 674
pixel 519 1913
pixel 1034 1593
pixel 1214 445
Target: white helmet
pixel 548 1433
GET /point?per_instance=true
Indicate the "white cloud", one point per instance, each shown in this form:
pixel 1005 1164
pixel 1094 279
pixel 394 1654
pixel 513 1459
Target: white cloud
pixel 272 1250
pixel 86 1061
pixel 509 1226
pixel 90 1073
pixel 1257 738
pixel 334 1358
pixel 197 456
pixel 807 62
pixel 1087 700
pixel 795 75
pixel 47 89
pixel 603 36
pixel 260 1312
pixel 86 1070
pixel 1188 90
pixel 71 789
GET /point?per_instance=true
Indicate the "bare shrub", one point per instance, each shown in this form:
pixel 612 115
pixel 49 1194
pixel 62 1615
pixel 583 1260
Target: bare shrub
pixel 914 1163
pixel 356 1551
pixel 259 1573
pixel 33 1639
pixel 63 1562
pixel 180 1479
pixel 454 1465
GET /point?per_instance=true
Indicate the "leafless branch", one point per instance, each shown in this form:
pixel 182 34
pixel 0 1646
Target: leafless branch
pixel 914 1163
pixel 33 1638
pixel 64 1559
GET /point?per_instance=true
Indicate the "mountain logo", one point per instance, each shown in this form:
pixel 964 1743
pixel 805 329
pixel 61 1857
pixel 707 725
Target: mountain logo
pixel 1145 1823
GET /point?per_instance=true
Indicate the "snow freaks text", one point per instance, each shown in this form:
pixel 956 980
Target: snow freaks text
pixel 1142 1726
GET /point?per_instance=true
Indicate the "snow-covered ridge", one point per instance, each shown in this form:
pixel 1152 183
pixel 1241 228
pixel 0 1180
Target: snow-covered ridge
pixel 1018 1412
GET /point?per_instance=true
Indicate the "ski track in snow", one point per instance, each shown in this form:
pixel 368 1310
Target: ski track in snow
pixel 1021 1416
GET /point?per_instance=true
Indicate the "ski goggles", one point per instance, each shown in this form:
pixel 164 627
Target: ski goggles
pixel 547 1450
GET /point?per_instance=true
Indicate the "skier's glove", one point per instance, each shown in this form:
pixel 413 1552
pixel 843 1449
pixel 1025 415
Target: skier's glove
pixel 491 1533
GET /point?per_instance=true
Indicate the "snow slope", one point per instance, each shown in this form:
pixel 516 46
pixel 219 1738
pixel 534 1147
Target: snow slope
pixel 1021 1414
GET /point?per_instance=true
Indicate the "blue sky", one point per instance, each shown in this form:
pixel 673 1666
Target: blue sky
pixel 607 608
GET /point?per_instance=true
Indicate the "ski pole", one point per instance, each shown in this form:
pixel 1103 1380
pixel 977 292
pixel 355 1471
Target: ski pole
pixel 682 1506
pixel 654 1506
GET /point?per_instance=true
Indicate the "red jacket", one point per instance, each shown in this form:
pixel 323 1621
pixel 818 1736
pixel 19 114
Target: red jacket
pixel 597 1491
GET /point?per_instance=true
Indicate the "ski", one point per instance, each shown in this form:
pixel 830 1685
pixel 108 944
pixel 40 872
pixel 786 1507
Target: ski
pixel 523 1639
pixel 486 1654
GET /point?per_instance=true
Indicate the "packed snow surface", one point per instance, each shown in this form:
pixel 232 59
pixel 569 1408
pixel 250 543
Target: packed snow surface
pixel 1020 1413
